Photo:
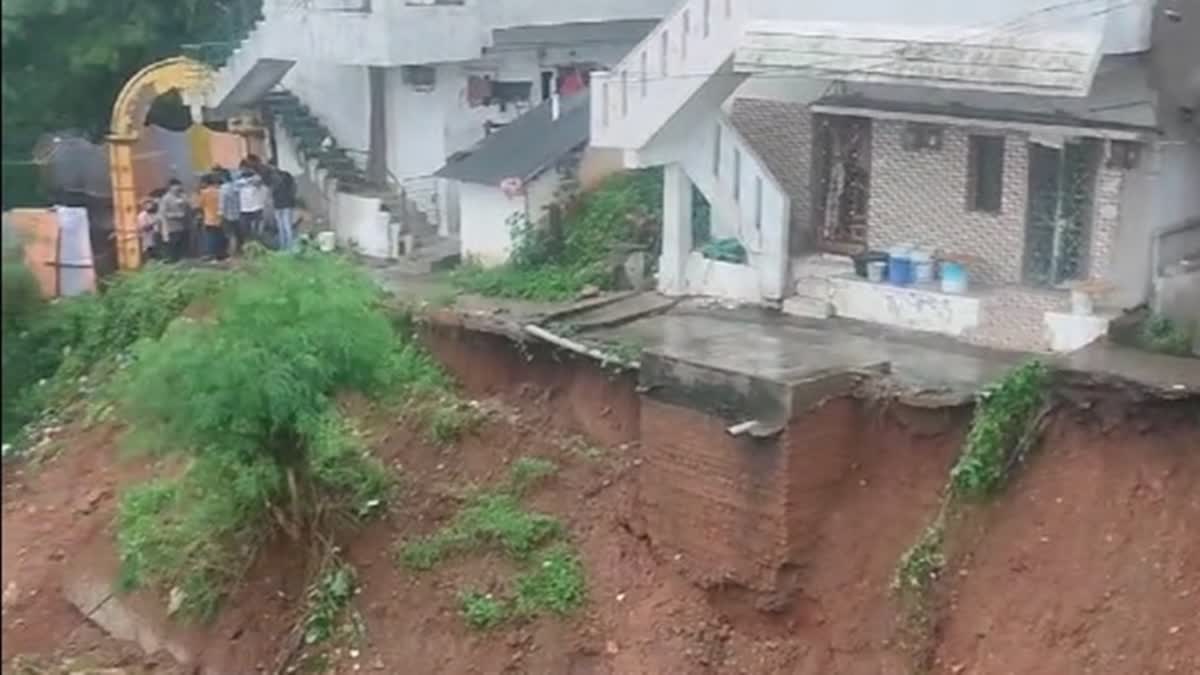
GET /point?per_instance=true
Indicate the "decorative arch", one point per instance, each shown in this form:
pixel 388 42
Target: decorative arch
pixel 191 78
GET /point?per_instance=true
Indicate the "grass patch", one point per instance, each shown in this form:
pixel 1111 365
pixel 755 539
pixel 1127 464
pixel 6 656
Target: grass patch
pixel 555 584
pixel 555 263
pixel 1002 417
pixel 527 472
pixel 553 581
pixel 483 611
pixel 490 520
pixel 449 420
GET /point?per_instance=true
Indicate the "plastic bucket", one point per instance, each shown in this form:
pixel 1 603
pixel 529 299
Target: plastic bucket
pixel 326 241
pixel 876 271
pixel 863 259
pixel 899 266
pixel 954 277
pixel 922 267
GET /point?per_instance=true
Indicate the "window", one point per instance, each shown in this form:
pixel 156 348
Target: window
pixel 645 73
pixel 985 174
pixel 737 174
pixel 717 152
pixel 666 46
pixel 687 28
pixel 707 17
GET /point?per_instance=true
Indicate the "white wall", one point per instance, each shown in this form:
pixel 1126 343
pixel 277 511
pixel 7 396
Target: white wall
pixel 484 232
pixel 400 32
pixel 1159 193
pixel 359 223
pixel 424 128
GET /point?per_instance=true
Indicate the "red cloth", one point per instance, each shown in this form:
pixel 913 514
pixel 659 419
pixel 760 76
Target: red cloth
pixel 571 84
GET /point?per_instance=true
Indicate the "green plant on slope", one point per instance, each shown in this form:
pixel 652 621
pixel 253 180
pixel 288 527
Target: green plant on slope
pixel 556 584
pixel 1001 420
pixel 527 472
pixel 327 599
pixel 249 391
pixel 448 419
pixel 61 341
pixel 491 519
pixel 922 563
pixel 483 610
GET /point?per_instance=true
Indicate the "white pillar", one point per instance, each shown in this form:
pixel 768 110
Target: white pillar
pixel 677 230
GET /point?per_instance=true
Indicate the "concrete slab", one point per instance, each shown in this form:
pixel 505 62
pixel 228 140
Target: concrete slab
pixel 777 348
pixel 1166 376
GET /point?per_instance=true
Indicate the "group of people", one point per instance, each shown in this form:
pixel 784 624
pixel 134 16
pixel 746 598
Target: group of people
pixel 228 210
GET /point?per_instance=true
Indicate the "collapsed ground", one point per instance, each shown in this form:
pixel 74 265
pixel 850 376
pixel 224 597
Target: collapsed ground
pixel 1087 560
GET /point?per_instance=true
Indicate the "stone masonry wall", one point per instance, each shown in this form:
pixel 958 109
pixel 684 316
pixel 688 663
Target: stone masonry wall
pixel 920 197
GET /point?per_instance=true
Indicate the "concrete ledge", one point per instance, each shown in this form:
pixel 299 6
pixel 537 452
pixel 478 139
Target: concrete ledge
pixel 924 309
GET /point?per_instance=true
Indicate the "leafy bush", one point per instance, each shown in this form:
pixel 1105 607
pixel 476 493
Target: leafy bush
pixel 921 564
pixel 549 263
pixel 248 391
pixel 65 339
pixel 1001 419
pixel 1164 336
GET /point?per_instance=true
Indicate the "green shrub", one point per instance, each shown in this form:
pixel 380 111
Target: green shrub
pixel 248 392
pixel 65 339
pixel 1164 336
pixel 548 264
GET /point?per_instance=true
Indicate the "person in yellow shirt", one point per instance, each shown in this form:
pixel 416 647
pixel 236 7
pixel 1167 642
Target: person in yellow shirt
pixel 208 200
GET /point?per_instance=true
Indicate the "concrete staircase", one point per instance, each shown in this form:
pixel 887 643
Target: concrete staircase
pixel 245 73
pixel 429 250
pixel 685 63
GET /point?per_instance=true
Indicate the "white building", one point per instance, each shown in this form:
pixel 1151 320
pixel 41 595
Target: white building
pixel 381 93
pixel 514 176
pixel 1025 139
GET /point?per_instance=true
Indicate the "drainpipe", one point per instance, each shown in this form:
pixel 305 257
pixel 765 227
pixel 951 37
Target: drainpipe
pixel 377 167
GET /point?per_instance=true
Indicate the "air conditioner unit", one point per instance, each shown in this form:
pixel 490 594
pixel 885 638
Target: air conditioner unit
pixel 921 136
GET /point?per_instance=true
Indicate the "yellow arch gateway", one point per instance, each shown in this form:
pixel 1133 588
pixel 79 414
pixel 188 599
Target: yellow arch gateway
pixel 129 114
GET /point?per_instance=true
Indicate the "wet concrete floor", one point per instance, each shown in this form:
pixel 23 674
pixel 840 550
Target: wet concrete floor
pixel 787 349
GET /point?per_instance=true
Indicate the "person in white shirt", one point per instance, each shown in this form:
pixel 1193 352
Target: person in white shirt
pixel 252 198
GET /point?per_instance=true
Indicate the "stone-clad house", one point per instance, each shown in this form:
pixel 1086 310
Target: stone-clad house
pixel 1033 143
